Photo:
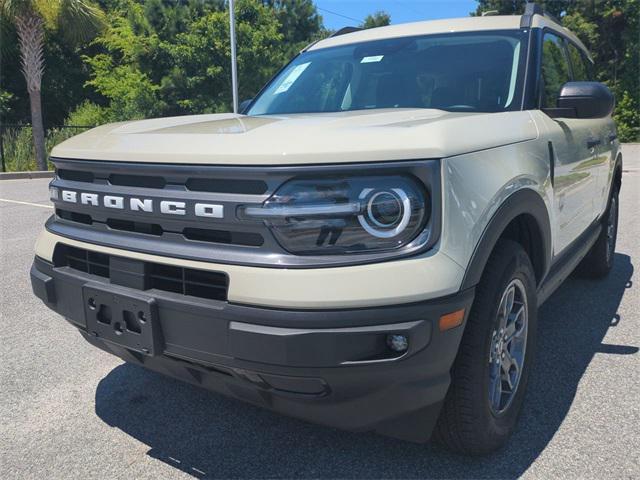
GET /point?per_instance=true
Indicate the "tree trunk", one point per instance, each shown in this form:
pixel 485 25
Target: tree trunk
pixel 30 29
pixel 37 129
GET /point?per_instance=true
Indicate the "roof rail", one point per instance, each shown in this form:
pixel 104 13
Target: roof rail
pixel 532 8
pixel 344 31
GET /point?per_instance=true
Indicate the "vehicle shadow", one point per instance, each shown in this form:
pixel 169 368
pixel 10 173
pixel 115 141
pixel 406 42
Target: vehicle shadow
pixel 210 436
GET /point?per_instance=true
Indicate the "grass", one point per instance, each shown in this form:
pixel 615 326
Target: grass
pixel 17 142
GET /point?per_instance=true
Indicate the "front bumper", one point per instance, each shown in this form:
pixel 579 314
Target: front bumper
pixel 427 276
pixel 327 366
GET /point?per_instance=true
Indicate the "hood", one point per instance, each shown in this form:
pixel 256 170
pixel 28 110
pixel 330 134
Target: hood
pixel 358 136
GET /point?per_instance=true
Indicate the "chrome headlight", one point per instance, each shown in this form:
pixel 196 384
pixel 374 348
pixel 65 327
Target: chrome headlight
pixel 339 215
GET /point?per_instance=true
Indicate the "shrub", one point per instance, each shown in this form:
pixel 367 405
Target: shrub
pixel 18 149
pixel 17 143
pixel 88 114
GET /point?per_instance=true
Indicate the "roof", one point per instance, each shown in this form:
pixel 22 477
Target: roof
pixel 465 24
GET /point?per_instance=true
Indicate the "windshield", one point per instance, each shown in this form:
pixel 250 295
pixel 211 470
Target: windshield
pixel 470 72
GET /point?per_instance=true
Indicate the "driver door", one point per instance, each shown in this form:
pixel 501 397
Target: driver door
pixel 574 145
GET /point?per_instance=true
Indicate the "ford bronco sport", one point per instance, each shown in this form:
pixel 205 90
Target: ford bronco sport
pixel 367 245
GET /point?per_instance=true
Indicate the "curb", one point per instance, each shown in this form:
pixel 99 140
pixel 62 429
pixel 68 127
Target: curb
pixel 29 175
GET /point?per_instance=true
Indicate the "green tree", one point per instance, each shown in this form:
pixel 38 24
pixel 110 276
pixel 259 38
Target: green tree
pixel 121 73
pixel 5 101
pixel 33 19
pixel 201 56
pixel 377 19
pixel 610 30
pixel 160 58
pixel 300 22
pixel 63 84
pixel 516 7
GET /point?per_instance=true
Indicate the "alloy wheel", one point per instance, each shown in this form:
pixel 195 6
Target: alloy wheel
pixel 508 347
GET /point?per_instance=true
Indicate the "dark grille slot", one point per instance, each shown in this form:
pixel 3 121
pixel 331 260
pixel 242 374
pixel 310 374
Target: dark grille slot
pixel 199 283
pixel 166 271
pixel 98 264
pixel 227 185
pixel 74 216
pixel 196 283
pixel 223 236
pixel 137 227
pixel 137 181
pixel 75 175
pixel 167 278
pixel 166 285
pixel 83 260
pixel 185 281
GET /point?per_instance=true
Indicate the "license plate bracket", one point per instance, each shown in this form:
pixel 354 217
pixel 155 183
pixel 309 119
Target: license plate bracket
pixel 126 319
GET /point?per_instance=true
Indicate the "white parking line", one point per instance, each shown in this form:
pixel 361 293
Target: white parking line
pixel 25 203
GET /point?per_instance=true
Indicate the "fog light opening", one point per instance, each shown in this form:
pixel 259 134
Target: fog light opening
pixel 398 343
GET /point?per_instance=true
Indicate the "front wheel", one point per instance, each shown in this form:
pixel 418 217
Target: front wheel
pixel 491 370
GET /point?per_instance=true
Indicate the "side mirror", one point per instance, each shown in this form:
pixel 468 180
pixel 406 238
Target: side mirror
pixel 583 100
pixel 244 105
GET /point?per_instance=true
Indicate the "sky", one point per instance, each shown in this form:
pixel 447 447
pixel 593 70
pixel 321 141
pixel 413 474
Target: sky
pixel 334 11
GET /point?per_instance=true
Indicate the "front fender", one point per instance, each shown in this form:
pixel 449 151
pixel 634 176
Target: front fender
pixel 523 202
pixel 484 191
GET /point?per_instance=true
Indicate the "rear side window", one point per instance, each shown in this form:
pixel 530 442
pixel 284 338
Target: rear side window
pixel 555 69
pixel 580 64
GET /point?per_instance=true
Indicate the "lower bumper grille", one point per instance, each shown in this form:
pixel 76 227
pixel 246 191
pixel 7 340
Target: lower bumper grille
pixel 147 275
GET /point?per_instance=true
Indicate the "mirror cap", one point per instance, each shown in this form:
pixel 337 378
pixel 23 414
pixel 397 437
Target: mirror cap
pixel 586 99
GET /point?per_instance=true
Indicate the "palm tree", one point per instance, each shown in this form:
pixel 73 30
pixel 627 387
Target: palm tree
pixel 78 20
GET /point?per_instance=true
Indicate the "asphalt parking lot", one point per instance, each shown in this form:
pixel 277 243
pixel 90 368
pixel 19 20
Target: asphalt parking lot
pixel 68 410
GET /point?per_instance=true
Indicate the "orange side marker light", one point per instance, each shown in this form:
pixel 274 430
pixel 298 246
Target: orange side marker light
pixel 451 320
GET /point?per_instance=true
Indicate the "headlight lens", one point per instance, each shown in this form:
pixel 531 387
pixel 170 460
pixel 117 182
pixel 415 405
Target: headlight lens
pixel 345 215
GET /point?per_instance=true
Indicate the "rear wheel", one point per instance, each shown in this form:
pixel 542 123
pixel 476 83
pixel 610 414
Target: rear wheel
pixel 599 261
pixel 491 370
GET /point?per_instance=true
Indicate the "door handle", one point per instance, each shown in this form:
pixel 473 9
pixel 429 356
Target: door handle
pixel 593 142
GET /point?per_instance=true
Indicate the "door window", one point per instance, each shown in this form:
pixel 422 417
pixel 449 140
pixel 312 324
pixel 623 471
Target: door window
pixel 555 69
pixel 580 64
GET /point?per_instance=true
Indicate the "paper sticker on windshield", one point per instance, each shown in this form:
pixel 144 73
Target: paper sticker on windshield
pixel 291 78
pixel 373 59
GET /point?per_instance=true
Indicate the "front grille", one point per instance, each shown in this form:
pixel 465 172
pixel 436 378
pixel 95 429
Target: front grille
pixel 136 227
pixel 76 217
pixel 211 184
pixel 167 278
pixel 137 181
pixel 247 187
pixel 223 237
pixel 194 211
pixel 75 175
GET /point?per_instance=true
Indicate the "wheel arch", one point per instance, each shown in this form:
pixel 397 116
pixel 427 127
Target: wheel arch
pixel 617 172
pixel 522 217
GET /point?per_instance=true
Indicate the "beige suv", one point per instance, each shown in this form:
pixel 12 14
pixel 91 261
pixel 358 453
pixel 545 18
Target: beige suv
pixel 367 245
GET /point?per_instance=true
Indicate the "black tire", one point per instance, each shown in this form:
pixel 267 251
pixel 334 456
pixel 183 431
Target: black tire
pixel 468 424
pixel 599 261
